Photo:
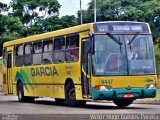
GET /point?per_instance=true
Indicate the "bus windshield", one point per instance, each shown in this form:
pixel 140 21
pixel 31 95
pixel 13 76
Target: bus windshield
pixel 134 56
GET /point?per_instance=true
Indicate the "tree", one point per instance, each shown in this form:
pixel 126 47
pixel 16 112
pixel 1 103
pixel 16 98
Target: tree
pixel 52 24
pixel 3 7
pixel 31 11
pixel 10 28
pixel 126 10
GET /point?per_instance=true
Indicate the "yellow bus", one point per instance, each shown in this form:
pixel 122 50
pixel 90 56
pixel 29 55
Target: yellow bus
pixel 111 60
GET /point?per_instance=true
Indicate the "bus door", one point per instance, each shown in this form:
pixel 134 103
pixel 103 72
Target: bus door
pixel 9 72
pixel 86 74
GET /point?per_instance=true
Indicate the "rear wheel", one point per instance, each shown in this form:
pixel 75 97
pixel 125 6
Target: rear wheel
pixel 70 96
pixel 123 102
pixel 20 93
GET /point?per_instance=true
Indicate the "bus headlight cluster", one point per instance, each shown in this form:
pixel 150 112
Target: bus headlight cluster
pixel 150 86
pixel 107 87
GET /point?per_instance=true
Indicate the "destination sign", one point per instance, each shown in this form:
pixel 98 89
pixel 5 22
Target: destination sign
pixel 121 27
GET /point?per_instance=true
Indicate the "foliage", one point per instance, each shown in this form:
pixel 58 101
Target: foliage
pixel 126 10
pixel 3 7
pixel 30 11
pixel 51 24
pixel 0 62
pixel 10 28
pixel 157 57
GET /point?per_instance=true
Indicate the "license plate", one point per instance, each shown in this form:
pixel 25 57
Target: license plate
pixel 128 95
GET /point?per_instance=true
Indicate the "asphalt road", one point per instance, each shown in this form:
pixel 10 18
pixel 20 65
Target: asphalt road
pixel 47 108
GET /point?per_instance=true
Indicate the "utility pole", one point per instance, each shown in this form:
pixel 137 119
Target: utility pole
pixel 81 12
pixel 95 12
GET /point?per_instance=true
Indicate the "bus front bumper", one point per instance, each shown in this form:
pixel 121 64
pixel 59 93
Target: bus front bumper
pixel 119 93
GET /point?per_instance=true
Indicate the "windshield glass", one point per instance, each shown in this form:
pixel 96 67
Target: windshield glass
pixel 109 57
pixel 140 54
pixel 123 55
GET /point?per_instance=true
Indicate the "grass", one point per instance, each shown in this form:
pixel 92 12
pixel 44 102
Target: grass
pixel 0 62
pixel 158 95
pixel 0 75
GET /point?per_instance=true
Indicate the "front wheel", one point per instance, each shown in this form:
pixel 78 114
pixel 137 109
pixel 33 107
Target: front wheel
pixel 70 96
pixel 123 102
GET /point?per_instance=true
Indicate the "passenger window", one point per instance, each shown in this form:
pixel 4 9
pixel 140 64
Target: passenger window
pixel 72 48
pixel 19 55
pixel 28 54
pixel 28 49
pixel 37 53
pixel 59 48
pixel 47 52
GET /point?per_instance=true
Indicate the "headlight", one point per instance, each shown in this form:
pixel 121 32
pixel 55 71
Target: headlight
pixel 107 87
pixel 150 86
pixel 102 88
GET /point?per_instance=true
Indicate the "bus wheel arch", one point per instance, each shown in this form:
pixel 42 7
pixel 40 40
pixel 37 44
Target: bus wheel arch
pixel 20 91
pixel 70 94
pixel 68 80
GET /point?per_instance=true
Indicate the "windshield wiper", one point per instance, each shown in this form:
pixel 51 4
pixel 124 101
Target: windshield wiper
pixel 133 38
pixel 114 38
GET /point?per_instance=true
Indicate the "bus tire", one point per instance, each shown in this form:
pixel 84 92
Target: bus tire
pixel 70 96
pixel 123 102
pixel 20 93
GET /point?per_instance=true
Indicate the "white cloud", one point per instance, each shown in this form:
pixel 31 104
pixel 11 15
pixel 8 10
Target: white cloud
pixel 5 1
pixel 71 7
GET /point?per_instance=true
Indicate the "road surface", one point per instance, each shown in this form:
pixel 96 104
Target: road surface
pixel 46 107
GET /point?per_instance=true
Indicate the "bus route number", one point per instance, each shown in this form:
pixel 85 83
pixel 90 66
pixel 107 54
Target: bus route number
pixel 107 81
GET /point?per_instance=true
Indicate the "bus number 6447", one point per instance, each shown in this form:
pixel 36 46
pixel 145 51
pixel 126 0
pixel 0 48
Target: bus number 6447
pixel 107 81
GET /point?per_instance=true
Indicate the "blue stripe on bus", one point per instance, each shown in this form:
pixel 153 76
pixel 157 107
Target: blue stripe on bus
pixel 118 93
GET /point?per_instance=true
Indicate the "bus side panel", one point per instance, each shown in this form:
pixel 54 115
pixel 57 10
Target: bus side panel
pixel 23 74
pixel 5 86
pixel 42 80
pixel 78 92
pixel 43 90
pixel 8 71
pixel 59 91
pixel 67 71
pixel 59 80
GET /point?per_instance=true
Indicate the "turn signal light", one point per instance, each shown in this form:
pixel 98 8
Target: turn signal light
pixel 150 86
pixel 97 87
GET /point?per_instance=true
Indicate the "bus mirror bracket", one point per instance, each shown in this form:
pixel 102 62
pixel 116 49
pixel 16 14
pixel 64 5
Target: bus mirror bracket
pixel 90 43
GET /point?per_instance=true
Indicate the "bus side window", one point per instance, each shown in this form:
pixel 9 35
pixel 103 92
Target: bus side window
pixel 59 48
pixel 72 48
pixel 37 53
pixel 47 51
pixel 19 55
pixel 28 54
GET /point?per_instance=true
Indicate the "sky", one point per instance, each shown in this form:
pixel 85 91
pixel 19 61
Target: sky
pixel 69 7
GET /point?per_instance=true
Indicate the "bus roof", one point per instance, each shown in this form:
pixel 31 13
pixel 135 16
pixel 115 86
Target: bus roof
pixel 61 32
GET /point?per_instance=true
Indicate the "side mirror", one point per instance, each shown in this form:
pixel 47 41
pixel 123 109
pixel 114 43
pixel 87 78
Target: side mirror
pixel 90 44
